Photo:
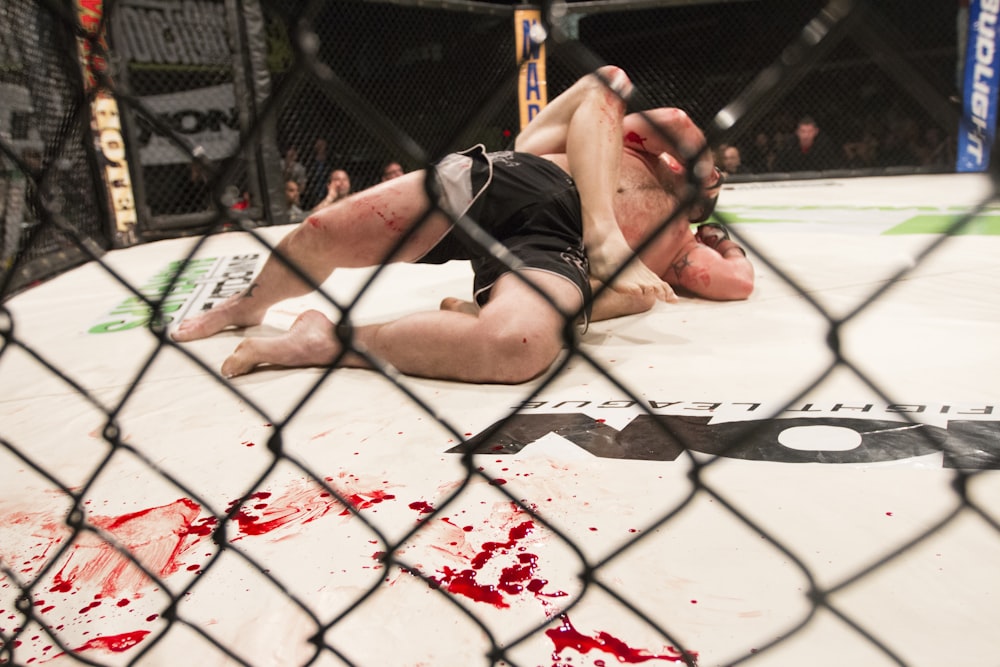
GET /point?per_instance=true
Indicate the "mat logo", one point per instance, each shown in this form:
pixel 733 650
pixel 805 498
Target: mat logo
pixel 967 443
pixel 179 288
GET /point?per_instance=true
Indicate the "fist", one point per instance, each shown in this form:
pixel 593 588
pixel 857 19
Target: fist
pixel 711 234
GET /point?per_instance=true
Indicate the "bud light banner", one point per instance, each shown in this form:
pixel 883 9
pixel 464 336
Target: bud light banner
pixel 975 137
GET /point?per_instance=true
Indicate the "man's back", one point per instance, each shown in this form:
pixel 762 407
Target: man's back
pixel 641 204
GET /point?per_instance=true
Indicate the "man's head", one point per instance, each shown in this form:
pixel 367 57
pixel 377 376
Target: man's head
pixel 806 131
pixel 392 170
pixel 340 183
pixel 292 192
pixel 704 206
pixel 731 159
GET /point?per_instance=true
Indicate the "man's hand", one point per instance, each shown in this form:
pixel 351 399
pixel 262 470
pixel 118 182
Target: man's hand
pixel 716 237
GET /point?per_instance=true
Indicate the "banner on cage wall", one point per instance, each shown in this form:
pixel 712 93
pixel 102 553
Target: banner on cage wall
pixel 206 118
pixel 979 97
pixel 529 36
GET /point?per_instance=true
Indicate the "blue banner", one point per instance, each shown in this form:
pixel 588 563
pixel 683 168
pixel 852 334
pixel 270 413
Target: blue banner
pixel 979 116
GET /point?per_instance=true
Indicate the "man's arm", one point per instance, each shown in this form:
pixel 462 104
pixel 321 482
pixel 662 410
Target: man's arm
pixel 712 266
pixel 584 124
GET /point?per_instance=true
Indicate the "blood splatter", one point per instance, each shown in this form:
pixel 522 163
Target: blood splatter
pixel 566 637
pixel 513 580
pixel 633 138
pixel 156 537
pixel 297 505
pixel 421 506
pixel 114 643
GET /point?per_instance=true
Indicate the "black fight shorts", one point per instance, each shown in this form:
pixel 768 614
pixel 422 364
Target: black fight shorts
pixel 526 203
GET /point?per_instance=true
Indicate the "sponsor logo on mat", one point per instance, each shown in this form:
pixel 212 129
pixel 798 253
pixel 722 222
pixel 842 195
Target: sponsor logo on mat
pixel 949 436
pixel 180 288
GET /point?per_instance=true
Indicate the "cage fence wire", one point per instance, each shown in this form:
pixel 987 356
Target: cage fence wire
pixel 134 121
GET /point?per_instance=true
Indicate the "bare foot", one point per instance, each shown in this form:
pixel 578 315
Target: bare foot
pixel 635 279
pixel 459 306
pixel 311 341
pixel 233 312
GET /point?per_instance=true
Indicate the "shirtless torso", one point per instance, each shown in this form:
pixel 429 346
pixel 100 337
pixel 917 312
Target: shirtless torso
pixel 643 201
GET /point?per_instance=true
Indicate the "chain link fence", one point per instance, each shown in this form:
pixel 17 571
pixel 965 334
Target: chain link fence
pixel 222 102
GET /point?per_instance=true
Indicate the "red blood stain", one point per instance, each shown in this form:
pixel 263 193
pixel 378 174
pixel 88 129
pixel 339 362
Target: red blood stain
pixel 156 537
pixel 464 583
pixel 160 537
pixel 422 507
pixel 90 606
pixel 362 501
pixel 513 580
pixel 566 636
pixel 633 138
pixel 298 505
pixel 114 643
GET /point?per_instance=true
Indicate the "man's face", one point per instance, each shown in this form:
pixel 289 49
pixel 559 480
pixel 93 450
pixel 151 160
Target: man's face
pixel 392 170
pixel 806 132
pixel 292 192
pixel 731 160
pixel 340 182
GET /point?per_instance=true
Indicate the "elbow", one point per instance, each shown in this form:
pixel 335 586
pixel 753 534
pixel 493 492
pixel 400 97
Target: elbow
pixel 739 288
pixel 742 290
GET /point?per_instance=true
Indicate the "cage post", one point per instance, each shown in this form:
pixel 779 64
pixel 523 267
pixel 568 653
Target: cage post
pixel 109 145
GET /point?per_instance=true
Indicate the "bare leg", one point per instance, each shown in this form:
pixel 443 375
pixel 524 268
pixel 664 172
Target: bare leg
pixel 514 338
pixel 357 231
pixel 585 123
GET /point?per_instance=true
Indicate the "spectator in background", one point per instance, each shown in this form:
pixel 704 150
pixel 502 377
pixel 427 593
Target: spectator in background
pixel 862 153
pixel 936 149
pixel 317 173
pixel 759 158
pixel 810 150
pixel 292 193
pixel 338 187
pixel 391 170
pixel 901 147
pixel 729 159
pixel 292 169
